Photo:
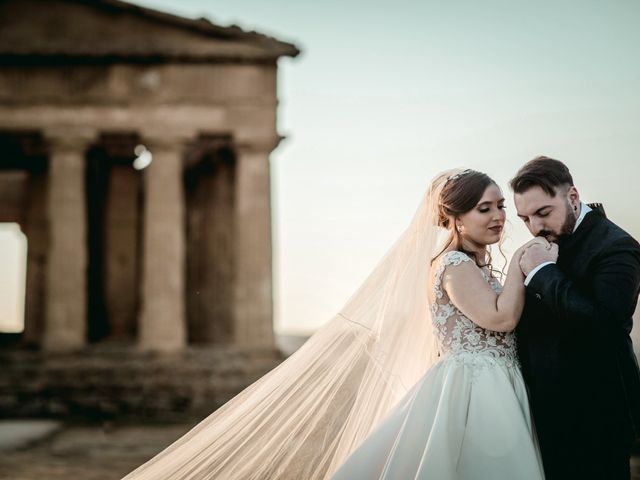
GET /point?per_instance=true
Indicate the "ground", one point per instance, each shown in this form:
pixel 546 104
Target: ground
pixel 99 453
pixel 88 452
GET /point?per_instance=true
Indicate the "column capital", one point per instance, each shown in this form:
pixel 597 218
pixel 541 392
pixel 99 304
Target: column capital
pixel 258 145
pixel 70 138
pixel 173 140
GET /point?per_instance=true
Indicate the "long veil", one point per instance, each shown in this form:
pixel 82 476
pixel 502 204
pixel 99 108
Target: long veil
pixel 301 420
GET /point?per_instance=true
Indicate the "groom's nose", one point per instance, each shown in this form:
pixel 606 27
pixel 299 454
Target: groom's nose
pixel 536 226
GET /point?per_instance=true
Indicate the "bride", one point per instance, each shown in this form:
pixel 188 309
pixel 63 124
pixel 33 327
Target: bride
pixel 416 377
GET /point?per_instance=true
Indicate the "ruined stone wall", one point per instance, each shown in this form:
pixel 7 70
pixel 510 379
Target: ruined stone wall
pixel 125 384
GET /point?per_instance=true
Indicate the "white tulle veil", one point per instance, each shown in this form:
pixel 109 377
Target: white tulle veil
pixel 302 419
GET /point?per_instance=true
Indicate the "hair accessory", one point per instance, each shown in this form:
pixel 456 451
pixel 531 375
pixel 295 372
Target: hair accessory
pixel 459 174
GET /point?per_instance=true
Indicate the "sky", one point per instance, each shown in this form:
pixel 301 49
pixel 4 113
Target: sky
pixel 387 94
pixel 13 252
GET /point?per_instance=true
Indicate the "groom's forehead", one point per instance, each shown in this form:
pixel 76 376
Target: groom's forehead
pixel 533 199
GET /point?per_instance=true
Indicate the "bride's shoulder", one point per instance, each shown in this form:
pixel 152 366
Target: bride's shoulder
pixel 454 257
pixel 449 258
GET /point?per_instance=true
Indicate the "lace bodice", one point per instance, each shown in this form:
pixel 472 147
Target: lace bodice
pixel 455 332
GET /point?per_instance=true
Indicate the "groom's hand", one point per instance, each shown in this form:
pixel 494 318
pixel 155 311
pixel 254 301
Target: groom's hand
pixel 536 254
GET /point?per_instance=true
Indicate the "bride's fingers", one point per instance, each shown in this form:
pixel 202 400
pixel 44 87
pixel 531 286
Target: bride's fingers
pixel 537 241
pixel 544 242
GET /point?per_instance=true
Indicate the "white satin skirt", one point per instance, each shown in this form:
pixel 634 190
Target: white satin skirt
pixel 467 418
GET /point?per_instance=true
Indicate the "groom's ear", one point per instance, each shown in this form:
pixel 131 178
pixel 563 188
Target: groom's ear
pixel 573 195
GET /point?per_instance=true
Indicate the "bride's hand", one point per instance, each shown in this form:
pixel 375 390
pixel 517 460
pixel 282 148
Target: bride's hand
pixel 534 241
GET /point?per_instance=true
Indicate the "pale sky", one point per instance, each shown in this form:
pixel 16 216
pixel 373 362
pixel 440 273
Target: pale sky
pixel 387 94
pixel 13 252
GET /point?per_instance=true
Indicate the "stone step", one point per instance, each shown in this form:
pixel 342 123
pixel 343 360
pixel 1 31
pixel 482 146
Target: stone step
pixel 105 384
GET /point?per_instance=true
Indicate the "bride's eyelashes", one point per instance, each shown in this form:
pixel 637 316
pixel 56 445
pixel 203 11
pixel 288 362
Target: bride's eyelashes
pixel 485 210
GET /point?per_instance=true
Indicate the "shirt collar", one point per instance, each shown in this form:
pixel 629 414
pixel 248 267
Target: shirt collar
pixel 584 209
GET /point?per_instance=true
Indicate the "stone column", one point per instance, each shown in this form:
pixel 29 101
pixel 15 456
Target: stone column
pixel 253 290
pixel 66 293
pixel 163 321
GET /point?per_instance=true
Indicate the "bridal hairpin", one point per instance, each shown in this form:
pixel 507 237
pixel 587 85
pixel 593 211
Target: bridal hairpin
pixel 459 174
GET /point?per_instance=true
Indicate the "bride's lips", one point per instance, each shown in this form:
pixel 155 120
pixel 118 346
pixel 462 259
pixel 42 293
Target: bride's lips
pixel 497 228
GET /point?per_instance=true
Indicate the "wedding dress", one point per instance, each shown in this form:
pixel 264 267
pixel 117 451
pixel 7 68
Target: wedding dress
pixel 468 416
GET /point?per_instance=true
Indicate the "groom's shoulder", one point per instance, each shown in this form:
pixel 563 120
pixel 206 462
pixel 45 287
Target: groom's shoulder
pixel 610 235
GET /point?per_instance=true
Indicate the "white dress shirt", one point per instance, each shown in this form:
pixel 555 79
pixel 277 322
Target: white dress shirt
pixel 584 209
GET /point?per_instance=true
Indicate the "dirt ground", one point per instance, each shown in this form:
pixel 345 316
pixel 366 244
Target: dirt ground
pixel 88 453
pixel 99 453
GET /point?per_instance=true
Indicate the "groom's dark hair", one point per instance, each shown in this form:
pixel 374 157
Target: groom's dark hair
pixel 543 172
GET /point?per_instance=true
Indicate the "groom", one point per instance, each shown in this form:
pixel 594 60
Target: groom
pixel 573 337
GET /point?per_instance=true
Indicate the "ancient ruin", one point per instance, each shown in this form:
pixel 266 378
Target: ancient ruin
pixel 135 157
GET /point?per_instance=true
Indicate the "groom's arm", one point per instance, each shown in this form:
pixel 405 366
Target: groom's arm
pixel 612 297
pixel 529 277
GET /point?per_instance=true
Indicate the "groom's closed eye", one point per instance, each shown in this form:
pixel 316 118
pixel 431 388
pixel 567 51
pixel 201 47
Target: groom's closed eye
pixel 542 212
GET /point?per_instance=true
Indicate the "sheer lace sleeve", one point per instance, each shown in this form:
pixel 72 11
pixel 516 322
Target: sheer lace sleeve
pixel 454 258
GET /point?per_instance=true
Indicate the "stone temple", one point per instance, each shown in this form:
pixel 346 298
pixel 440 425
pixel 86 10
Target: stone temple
pixel 134 155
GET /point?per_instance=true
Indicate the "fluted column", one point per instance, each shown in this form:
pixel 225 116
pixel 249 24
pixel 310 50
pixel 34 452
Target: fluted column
pixel 65 326
pixel 163 321
pixel 253 289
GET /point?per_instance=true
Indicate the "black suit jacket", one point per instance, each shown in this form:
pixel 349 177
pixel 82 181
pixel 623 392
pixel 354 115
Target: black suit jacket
pixel 574 340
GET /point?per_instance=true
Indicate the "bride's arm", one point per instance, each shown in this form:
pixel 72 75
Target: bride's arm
pixel 472 295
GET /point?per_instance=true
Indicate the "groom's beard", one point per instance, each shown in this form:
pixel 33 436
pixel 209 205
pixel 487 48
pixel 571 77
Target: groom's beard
pixel 567 228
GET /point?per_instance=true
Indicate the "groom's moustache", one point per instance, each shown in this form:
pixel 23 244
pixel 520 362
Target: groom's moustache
pixel 557 238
